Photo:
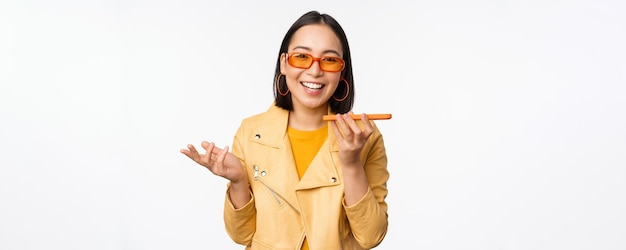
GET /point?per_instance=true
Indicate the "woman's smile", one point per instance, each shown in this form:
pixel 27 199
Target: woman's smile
pixel 312 87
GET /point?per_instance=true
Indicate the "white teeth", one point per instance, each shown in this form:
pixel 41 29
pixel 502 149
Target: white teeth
pixel 312 85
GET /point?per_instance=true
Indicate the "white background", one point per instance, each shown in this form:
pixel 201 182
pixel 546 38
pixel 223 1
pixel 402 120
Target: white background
pixel 508 127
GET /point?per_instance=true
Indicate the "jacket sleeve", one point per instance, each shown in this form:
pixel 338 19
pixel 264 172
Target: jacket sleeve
pixel 240 223
pixel 368 217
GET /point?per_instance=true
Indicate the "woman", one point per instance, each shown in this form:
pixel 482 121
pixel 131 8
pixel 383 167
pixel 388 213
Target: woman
pixel 297 181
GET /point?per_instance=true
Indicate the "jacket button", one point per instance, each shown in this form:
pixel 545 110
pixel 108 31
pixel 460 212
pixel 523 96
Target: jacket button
pixel 333 179
pixel 263 173
pixel 258 136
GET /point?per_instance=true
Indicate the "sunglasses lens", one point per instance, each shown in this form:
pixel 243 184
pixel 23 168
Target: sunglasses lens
pixel 299 60
pixel 332 64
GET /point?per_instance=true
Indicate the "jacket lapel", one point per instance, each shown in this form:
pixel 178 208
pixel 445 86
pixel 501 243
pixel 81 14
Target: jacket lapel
pixel 280 172
pixel 323 169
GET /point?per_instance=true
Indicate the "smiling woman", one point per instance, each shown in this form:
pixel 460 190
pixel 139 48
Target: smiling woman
pixel 298 180
pixel 508 128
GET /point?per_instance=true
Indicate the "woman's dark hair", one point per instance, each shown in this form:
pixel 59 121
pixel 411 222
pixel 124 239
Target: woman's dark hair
pixel 314 17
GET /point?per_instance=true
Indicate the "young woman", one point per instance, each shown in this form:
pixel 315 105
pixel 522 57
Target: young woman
pixel 297 181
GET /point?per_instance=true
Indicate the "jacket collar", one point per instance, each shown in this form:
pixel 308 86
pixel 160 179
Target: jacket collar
pixel 274 129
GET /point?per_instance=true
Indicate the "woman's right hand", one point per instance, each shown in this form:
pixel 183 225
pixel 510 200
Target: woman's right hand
pixel 219 161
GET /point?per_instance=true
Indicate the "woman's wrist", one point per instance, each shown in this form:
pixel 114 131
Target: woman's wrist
pixel 241 184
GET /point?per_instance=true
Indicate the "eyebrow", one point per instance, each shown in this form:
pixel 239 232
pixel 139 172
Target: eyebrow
pixel 324 52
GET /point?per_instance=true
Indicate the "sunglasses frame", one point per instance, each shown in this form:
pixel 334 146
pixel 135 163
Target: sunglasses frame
pixel 318 59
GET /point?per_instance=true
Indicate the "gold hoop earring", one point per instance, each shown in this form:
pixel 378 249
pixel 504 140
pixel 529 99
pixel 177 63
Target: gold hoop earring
pixel 347 91
pixel 278 86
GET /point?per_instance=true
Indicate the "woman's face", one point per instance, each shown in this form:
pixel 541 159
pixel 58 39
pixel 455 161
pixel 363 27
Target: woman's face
pixel 311 88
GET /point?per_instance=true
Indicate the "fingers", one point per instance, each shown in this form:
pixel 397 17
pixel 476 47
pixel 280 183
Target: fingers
pixel 368 129
pixel 347 128
pixel 190 152
pixel 192 149
pixel 206 158
pixel 214 158
pixel 342 126
pixel 203 159
pixel 354 128
pixel 222 156
pixel 217 165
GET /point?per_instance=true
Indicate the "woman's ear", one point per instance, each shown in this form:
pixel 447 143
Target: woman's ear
pixel 283 60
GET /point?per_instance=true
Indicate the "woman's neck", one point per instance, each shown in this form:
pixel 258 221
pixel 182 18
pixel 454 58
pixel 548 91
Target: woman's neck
pixel 307 119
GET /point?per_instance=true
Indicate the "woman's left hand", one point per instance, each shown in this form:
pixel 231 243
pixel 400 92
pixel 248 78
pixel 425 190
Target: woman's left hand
pixel 351 138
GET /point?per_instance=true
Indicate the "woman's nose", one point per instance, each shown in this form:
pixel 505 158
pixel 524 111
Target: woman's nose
pixel 315 69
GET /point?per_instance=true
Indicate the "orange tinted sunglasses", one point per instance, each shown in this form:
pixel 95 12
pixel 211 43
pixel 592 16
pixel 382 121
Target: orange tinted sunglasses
pixel 304 61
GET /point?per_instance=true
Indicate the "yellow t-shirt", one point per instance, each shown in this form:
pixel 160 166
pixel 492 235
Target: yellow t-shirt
pixel 305 145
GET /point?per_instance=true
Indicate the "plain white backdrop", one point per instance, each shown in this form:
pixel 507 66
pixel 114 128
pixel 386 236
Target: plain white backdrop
pixel 508 128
